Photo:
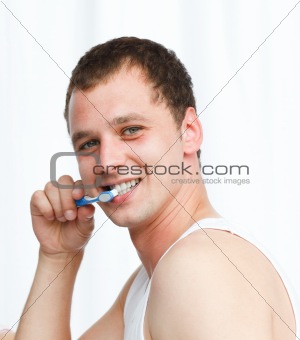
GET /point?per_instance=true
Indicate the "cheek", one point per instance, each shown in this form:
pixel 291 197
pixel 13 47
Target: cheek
pixel 152 150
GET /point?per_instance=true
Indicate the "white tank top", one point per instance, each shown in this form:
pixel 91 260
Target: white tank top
pixel 137 297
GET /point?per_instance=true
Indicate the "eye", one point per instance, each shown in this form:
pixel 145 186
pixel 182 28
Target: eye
pixel 131 130
pixel 88 145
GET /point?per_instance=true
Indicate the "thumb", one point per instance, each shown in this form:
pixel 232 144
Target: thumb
pixel 85 219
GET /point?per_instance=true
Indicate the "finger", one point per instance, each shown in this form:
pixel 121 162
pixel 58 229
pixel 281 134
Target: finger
pixel 85 218
pixel 52 193
pixel 66 187
pixel 78 191
pixel 40 205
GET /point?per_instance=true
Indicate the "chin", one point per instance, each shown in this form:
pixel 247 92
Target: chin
pixel 123 219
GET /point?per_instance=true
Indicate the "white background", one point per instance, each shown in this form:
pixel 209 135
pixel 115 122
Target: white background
pixel 253 121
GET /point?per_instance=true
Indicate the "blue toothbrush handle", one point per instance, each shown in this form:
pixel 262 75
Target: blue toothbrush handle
pixel 105 196
pixel 85 200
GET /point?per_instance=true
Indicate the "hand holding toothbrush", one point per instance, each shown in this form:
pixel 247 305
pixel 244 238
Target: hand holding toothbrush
pixel 61 227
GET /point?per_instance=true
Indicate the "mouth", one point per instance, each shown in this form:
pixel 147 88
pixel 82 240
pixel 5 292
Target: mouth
pixel 123 188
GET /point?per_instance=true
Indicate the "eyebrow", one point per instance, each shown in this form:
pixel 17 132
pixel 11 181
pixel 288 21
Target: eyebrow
pixel 128 118
pixel 122 119
pixel 79 135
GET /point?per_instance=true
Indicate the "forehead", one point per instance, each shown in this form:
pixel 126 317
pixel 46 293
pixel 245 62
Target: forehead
pixel 126 92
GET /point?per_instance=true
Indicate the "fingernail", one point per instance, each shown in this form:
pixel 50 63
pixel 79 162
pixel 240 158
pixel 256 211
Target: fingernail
pixel 70 214
pixel 77 191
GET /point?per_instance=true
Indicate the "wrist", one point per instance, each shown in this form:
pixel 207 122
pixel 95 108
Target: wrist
pixel 61 261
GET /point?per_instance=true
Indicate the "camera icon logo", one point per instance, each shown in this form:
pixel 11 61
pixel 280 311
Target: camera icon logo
pixel 53 169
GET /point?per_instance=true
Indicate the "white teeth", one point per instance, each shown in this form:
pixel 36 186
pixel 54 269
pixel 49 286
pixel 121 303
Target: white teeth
pixel 125 187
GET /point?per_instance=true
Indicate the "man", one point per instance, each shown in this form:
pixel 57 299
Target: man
pixel 130 104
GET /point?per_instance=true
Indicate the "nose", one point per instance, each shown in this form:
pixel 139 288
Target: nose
pixel 112 155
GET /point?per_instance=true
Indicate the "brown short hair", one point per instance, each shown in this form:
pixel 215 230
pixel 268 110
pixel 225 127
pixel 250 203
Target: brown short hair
pixel 160 65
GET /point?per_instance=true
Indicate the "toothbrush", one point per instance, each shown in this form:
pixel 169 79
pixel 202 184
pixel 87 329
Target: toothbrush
pixel 105 196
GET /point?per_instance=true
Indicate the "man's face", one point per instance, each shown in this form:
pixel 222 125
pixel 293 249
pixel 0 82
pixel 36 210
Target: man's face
pixel 119 122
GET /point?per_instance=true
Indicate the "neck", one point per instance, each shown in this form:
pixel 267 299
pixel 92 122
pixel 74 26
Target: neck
pixel 152 241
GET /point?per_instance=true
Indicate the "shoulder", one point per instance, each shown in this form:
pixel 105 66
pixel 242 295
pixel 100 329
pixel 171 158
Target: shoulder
pixel 212 276
pixel 217 254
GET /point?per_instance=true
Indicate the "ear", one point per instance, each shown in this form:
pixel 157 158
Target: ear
pixel 191 130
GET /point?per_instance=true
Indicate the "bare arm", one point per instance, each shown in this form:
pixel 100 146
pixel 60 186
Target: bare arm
pixel 47 311
pixel 62 239
pixel 197 293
